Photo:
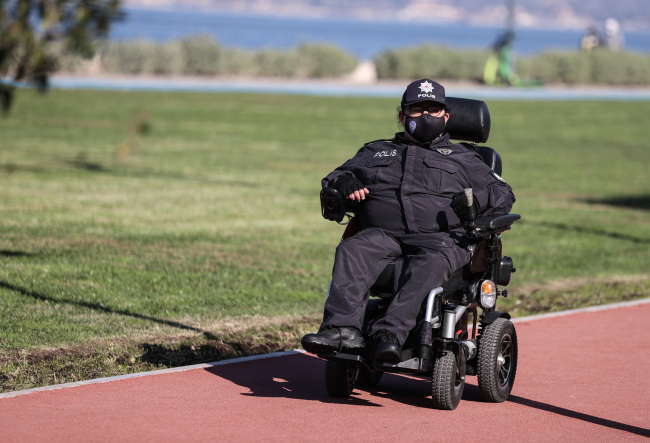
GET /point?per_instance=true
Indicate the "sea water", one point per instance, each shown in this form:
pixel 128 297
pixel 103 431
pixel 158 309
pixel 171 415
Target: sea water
pixel 364 39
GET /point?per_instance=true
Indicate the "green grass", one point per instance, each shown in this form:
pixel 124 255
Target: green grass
pixel 212 218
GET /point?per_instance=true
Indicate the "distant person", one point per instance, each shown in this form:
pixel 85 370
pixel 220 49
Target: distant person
pixel 614 40
pixel 499 68
pixel 590 40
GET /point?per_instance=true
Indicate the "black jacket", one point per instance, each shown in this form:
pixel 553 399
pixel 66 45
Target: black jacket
pixel 411 185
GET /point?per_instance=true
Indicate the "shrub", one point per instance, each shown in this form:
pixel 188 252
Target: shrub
pixel 273 63
pixel 431 61
pixel 201 55
pixel 569 67
pixel 129 57
pixel 237 62
pixel 597 67
pixel 557 67
pixel 620 68
pixel 323 60
pixel 168 58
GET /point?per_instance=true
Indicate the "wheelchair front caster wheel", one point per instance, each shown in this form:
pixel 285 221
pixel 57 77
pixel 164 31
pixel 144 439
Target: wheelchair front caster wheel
pixel 497 360
pixel 340 378
pixel 446 383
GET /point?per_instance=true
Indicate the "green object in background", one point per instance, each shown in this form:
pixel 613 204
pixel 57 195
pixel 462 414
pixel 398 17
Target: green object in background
pixel 499 66
pixel 491 70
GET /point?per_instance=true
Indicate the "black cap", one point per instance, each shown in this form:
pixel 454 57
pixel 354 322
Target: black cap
pixel 423 90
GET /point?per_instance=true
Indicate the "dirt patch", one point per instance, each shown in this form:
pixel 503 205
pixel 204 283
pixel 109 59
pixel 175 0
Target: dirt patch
pixel 234 325
pixel 574 293
pixel 572 283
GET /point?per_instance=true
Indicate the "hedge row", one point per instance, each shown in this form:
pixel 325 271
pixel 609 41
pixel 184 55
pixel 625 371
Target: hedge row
pixel 598 67
pixel 201 55
pixel 570 67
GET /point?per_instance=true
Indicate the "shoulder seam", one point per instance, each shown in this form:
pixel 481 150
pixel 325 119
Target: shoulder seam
pixel 379 140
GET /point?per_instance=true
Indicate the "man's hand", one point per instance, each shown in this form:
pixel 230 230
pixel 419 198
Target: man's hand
pixel 464 212
pixel 352 188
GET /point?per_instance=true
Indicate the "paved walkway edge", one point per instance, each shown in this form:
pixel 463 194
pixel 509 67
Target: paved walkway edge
pixel 623 304
pixel 296 351
pixel 338 88
pixel 143 374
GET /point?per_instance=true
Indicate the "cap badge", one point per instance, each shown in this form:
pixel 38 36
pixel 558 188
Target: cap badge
pixel 426 87
pixel 444 151
pixel 412 126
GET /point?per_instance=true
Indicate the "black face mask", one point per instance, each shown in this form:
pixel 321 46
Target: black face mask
pixel 424 128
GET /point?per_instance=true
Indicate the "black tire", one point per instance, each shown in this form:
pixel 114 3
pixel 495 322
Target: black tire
pixel 446 385
pixel 369 378
pixel 497 360
pixel 340 378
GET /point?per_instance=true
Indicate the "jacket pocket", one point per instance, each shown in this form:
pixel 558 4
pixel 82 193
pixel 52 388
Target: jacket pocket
pixel 379 170
pixel 440 176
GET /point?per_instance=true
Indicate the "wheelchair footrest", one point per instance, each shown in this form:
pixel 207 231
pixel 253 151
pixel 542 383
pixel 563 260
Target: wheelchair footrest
pixel 343 358
pixel 414 365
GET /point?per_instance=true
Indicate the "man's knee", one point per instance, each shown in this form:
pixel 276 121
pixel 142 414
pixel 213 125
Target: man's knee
pixel 429 258
pixel 426 265
pixel 368 241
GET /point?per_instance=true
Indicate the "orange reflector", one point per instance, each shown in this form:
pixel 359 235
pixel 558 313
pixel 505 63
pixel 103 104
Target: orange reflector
pixel 487 287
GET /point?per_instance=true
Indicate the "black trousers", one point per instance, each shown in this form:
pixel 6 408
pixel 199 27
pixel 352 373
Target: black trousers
pixel 429 260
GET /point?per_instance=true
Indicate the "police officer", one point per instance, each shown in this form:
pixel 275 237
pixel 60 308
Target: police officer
pixel 410 188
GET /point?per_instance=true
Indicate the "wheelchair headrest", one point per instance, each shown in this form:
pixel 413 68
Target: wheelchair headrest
pixel 469 120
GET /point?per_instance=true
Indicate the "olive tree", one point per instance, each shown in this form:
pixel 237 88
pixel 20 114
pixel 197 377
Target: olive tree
pixel 30 29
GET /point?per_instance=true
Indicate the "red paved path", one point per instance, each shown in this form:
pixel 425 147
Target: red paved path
pixel 581 378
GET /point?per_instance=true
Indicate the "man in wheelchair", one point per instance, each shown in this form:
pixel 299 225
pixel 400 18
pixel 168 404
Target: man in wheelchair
pixel 408 196
pixel 429 215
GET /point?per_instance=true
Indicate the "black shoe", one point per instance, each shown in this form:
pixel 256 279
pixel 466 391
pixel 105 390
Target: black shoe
pixel 387 346
pixel 332 338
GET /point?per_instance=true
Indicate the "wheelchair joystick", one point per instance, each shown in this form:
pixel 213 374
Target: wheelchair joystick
pixel 469 201
pixel 469 196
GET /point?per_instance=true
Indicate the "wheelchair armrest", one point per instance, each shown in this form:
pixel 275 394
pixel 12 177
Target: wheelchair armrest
pixel 494 222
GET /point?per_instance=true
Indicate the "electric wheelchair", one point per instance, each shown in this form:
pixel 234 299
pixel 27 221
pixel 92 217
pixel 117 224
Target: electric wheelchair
pixel 440 345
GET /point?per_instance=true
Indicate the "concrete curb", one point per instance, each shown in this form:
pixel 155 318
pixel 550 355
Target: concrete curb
pixel 294 352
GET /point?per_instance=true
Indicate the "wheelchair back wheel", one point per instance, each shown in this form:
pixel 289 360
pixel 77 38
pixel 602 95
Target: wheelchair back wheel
pixel 340 378
pixel 497 360
pixel 446 384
